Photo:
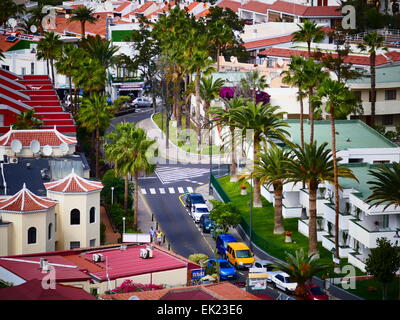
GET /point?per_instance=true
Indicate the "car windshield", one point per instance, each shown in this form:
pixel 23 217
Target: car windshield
pixel 288 280
pixel 224 265
pixel 197 199
pixel 202 210
pixel 316 291
pixel 243 254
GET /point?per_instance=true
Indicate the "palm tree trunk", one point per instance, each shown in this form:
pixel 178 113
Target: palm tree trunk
pixel 234 177
pixel 312 221
pixel 311 115
pixel 136 201
pixel 52 71
pixel 97 152
pixel 301 123
pixel 188 104
pixel 198 122
pixel 257 187
pixel 301 292
pixel 373 88
pixel 178 105
pixel 126 194
pixel 70 90
pixel 218 53
pixel 335 180
pixel 83 29
pixel 278 221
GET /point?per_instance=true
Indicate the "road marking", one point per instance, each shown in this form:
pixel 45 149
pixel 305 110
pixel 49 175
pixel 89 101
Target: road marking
pixel 180 190
pixel 152 191
pixel 180 199
pixel 190 189
pixel 144 191
pixel 162 190
pixel 171 190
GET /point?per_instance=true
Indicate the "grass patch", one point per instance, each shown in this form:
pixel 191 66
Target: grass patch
pixel 180 140
pixel 371 289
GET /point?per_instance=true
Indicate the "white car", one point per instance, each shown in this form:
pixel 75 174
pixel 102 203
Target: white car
pixel 263 266
pixel 282 281
pixel 198 210
pixel 142 102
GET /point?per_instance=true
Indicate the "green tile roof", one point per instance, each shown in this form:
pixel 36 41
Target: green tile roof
pixel 383 74
pixel 352 134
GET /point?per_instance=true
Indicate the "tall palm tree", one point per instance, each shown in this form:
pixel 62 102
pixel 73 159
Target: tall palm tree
pixel 209 90
pixel 223 117
pixel 266 122
pixel 83 15
pixel 383 192
pixel 301 268
pixel 372 42
pixel 128 149
pixel 90 75
pixel 336 95
pixel 272 171
pixel 95 115
pixel 100 49
pixel 296 77
pixel 219 35
pixel 27 120
pixel 48 49
pixel 309 32
pixel 314 164
pixel 252 83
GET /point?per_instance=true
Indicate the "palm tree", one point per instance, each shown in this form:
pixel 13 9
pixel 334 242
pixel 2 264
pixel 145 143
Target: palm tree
pixel 223 117
pixel 383 192
pixel 95 115
pixel 100 49
pixel 314 164
pixel 90 75
pixel 336 95
pixel 83 15
pixel 301 268
pixel 267 125
pixel 253 83
pixel 128 149
pixel 309 32
pixel 372 42
pixel 27 120
pixel 48 49
pixel 272 171
pixel 295 76
pixel 209 90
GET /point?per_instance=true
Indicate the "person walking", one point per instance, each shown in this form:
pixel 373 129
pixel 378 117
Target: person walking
pixel 152 233
pixel 159 237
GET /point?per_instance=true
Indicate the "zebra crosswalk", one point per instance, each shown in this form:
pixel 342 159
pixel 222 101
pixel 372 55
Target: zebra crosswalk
pixel 170 190
pixel 169 174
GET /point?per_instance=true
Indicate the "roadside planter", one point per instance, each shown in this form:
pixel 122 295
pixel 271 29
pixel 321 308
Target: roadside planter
pixel 243 191
pixel 288 236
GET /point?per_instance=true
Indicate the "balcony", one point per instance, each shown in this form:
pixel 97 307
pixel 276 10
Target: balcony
pixel 357 260
pixel 328 242
pixel 367 235
pixel 304 201
pixel 330 215
pixel 126 79
pixel 291 212
pixel 303 229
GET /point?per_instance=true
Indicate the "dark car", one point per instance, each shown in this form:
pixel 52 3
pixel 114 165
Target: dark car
pixel 206 224
pixel 193 198
pixel 315 293
pixel 222 242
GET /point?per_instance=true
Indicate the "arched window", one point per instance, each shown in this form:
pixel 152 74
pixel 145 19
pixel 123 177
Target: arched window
pixel 50 231
pixel 31 235
pixel 92 215
pixel 75 216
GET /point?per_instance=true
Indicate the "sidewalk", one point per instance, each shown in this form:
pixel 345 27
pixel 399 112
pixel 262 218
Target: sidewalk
pixel 174 153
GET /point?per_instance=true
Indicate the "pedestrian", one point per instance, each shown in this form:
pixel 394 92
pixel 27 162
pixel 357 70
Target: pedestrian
pixel 159 237
pixel 152 234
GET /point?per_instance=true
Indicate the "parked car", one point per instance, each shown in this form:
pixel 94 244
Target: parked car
pixel 263 266
pixel 222 241
pixel 315 292
pixel 206 224
pixel 142 102
pixel 193 198
pixel 198 210
pixel 283 281
pixel 239 254
pixel 226 270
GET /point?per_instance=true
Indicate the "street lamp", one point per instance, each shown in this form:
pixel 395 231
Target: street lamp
pixel 210 191
pixel 251 211
pixel 123 225
pixel 112 195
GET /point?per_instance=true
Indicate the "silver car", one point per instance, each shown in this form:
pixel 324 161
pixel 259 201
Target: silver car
pixel 142 102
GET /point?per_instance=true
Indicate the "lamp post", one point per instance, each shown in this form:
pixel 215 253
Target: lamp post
pixel 251 211
pixel 210 191
pixel 123 225
pixel 112 195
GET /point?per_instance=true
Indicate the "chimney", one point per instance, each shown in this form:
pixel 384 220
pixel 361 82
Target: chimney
pixel 44 265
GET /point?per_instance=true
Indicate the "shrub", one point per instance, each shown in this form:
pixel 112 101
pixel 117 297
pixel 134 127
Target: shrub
pixel 102 233
pixel 110 180
pixel 117 213
pixel 198 258
pixel 129 286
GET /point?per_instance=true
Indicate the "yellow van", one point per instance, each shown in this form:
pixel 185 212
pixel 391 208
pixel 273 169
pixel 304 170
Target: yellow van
pixel 239 255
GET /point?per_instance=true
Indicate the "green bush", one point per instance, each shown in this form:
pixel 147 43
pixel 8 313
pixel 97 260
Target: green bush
pixel 117 213
pixel 110 180
pixel 102 233
pixel 198 257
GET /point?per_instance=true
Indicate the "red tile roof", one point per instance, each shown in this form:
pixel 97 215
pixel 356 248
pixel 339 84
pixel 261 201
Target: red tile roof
pixel 192 5
pixel 218 291
pixel 73 184
pixel 203 13
pixel 33 290
pixel 49 137
pixel 5 45
pixel 307 11
pixel 26 201
pixel 267 42
pixel 123 6
pixel 144 7
pixel 256 6
pixel 229 4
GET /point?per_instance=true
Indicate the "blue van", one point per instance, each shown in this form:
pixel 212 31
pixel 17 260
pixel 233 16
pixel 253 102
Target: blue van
pixel 222 241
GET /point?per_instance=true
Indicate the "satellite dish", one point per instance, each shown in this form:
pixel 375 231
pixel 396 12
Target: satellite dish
pixel 47 150
pixel 280 62
pixel 134 298
pixel 33 28
pixel 67 16
pixel 12 22
pixel 64 148
pixel 16 146
pixel 35 146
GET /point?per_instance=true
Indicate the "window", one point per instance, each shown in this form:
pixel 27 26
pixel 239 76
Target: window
pixel 357 94
pixel 32 68
pixel 74 244
pixel 385 223
pixel 92 243
pixel 50 230
pixel 75 217
pixel 388 119
pixel 381 161
pixel 355 160
pixel 92 215
pixel 23 71
pixel 1 120
pixel 31 235
pixel 5 67
pixel 390 94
